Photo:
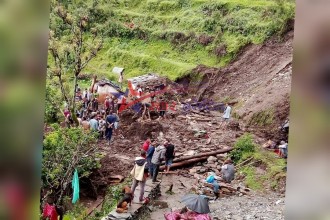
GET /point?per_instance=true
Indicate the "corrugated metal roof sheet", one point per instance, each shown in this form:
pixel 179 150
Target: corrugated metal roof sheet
pixel 103 82
pixel 150 79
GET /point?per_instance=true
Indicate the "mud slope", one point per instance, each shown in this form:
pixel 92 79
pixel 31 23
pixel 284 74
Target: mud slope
pixel 258 81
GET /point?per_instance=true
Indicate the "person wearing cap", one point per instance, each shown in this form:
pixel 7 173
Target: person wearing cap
pixel 140 174
pixel 228 171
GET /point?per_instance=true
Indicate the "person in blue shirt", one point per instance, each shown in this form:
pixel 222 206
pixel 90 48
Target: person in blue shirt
pixel 110 121
pixel 150 153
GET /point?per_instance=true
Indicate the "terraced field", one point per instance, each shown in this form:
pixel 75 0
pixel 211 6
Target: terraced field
pixel 171 37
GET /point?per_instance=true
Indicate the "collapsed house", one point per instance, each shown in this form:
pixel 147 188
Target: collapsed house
pixel 104 88
pixel 149 81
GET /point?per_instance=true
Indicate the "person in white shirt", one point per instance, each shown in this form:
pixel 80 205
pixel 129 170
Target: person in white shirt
pixel 139 91
pixel 226 115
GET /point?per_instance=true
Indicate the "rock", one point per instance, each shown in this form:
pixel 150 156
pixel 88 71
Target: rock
pixel 218 167
pixel 202 170
pixel 197 176
pixel 192 171
pixel 212 159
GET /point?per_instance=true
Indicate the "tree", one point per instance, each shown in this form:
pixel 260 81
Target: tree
pixel 66 149
pixel 73 43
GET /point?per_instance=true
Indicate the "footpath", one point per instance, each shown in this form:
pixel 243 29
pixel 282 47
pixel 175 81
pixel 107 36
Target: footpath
pixel 152 191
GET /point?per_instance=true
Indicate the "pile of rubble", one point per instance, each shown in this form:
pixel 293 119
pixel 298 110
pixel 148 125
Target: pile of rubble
pixel 204 188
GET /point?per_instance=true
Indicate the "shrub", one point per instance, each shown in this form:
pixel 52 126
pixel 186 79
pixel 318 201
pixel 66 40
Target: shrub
pixel 67 149
pixel 243 145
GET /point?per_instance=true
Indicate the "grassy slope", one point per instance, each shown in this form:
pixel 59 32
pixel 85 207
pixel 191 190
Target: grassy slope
pixel 151 47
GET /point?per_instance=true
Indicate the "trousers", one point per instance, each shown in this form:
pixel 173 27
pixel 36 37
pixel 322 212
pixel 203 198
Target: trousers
pixel 142 185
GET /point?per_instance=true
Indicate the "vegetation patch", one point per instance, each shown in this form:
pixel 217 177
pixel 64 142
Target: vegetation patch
pixel 261 169
pixel 262 118
pixel 171 37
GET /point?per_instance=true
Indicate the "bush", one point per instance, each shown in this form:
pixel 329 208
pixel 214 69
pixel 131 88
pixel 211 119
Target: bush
pixel 67 149
pixel 243 145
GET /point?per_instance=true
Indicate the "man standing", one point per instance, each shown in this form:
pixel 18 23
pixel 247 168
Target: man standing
pixel 101 127
pixel 162 108
pixel 157 158
pixel 95 104
pixel 226 115
pixel 140 174
pixel 94 124
pixel 150 153
pixel 146 103
pixel 110 121
pixel 169 156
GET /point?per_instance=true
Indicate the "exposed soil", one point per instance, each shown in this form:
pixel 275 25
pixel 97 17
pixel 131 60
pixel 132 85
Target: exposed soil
pixel 258 80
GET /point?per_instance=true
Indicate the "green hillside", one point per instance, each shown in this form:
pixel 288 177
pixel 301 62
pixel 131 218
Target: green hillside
pixel 170 37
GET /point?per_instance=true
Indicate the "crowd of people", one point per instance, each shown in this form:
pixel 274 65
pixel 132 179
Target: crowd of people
pixel 153 153
pixel 103 119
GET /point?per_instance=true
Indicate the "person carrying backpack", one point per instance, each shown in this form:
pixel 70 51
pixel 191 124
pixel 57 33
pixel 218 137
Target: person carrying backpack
pixel 140 174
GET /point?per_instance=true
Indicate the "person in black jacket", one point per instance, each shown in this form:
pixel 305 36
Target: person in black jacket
pixel 169 156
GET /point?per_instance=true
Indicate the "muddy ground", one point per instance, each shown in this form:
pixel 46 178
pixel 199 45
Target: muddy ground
pixel 259 80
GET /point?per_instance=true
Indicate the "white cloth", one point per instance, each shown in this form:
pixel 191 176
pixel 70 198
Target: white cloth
pixel 227 112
